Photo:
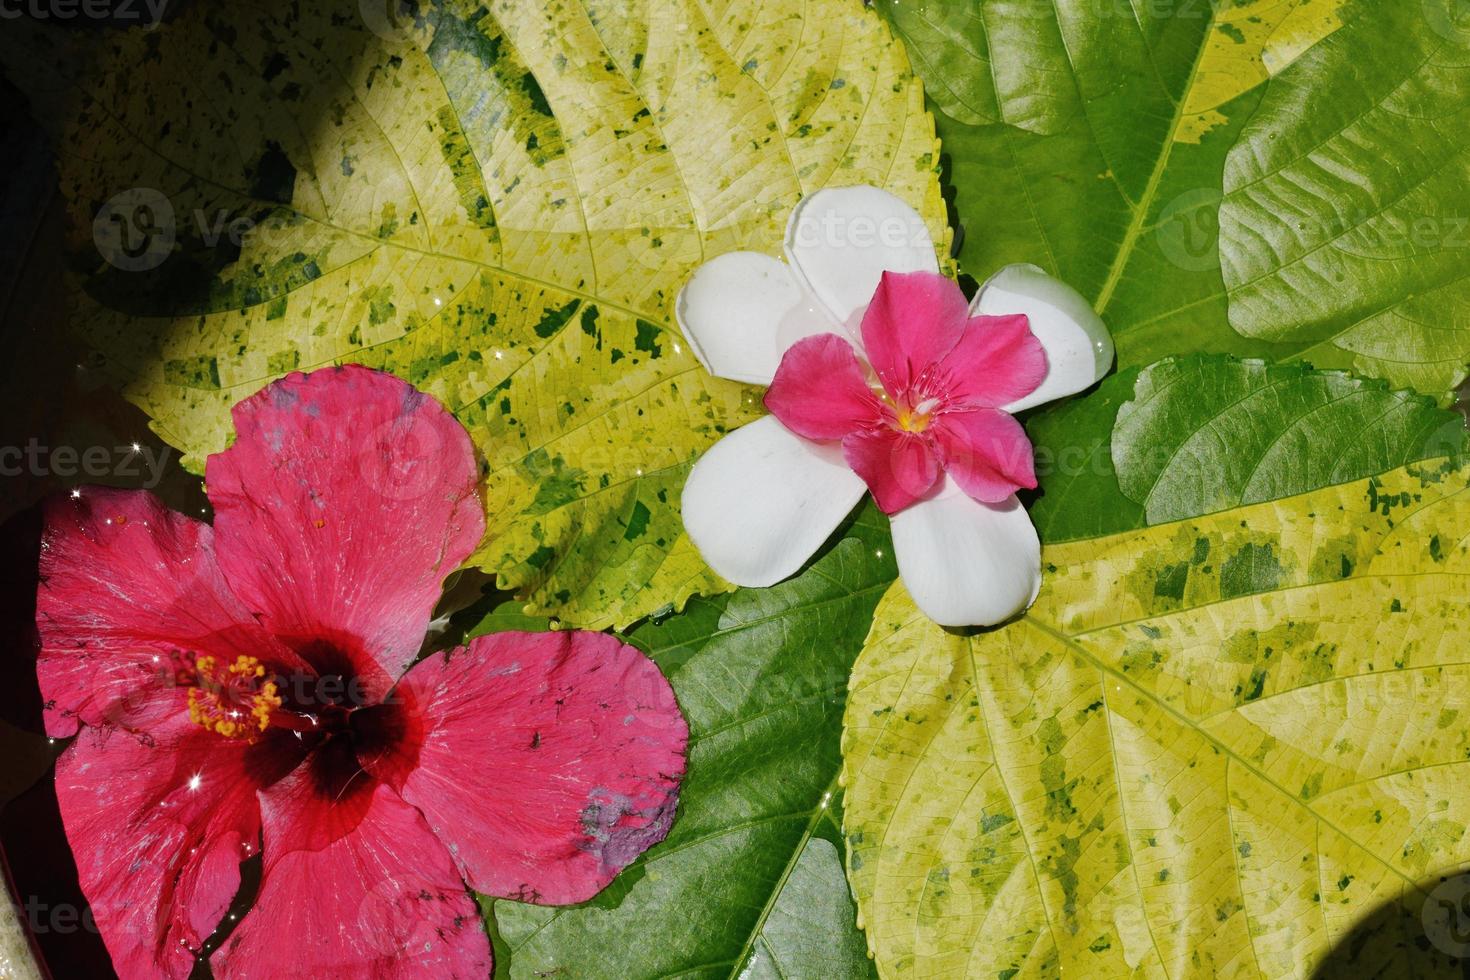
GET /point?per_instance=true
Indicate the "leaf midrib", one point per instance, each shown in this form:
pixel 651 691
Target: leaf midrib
pixel 1155 180
pixel 818 812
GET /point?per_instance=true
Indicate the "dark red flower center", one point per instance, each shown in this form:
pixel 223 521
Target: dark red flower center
pixel 349 725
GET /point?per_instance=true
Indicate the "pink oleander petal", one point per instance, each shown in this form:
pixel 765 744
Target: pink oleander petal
pixel 986 452
pixel 345 501
pixel 158 824
pixel 819 391
pixel 898 467
pixel 915 319
pixel 997 361
pixel 549 761
pixel 124 582
pixel 376 896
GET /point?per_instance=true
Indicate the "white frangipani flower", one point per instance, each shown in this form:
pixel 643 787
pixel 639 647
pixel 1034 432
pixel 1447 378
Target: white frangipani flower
pixel 881 378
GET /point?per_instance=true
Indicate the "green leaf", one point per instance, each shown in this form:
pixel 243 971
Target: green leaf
pixel 810 929
pixel 505 616
pixel 497 202
pixel 743 884
pixel 1212 748
pixel 1204 434
pixel 1090 139
pixel 1344 230
pixel 1080 496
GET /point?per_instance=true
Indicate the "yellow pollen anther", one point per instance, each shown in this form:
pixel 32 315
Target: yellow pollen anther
pixel 915 418
pixel 231 702
pixel 912 421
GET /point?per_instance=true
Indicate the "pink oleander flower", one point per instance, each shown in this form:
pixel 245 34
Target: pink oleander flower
pixel 881 379
pixel 251 686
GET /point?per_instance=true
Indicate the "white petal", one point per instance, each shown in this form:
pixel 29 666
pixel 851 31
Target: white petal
pixel 1079 349
pixel 841 241
pixel 762 501
pixel 741 311
pixel 966 563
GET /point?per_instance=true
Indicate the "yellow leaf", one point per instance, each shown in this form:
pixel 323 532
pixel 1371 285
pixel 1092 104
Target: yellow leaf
pixel 1210 749
pixel 499 203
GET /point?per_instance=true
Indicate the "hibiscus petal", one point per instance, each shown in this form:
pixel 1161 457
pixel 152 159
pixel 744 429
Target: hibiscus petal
pixel 915 320
pixel 345 501
pixel 898 467
pixel 549 761
pixel 762 500
pixel 381 899
pixel 966 563
pixel 124 582
pixel 741 311
pixel 819 391
pixel 1079 349
pixel 986 452
pixel 997 361
pixel 158 824
pixel 841 240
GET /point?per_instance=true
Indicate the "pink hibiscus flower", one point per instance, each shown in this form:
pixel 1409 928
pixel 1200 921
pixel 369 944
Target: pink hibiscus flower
pixel 883 380
pixel 248 685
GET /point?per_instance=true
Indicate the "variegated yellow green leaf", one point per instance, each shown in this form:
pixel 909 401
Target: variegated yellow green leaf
pixel 497 202
pixel 1211 749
